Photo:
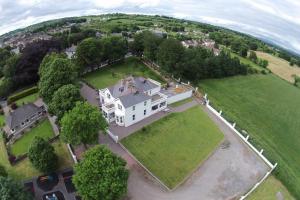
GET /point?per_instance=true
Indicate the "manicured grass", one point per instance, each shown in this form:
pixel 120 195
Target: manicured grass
pixel 271 189
pixel 268 108
pixel 110 75
pixel 44 130
pixel 280 67
pixel 179 103
pixel 28 99
pixel 174 146
pixel 246 61
pixel 2 120
pixel 24 169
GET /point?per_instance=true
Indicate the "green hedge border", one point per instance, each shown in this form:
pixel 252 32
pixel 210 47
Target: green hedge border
pixel 22 94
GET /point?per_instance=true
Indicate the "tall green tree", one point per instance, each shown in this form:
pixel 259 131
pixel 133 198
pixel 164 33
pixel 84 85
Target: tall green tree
pixel 63 100
pixel 114 48
pixel 3 172
pixel 253 56
pixel 47 61
pixel 60 72
pixel 101 175
pixel 42 155
pixel 89 53
pixel 151 45
pixel 12 190
pixel 82 124
pixel 137 46
pixel 170 54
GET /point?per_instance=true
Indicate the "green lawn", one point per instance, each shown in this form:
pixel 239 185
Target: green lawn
pixel 28 99
pixel 110 75
pixel 246 61
pixel 174 146
pixel 2 120
pixel 179 103
pixel 271 189
pixel 44 130
pixel 268 108
pixel 24 169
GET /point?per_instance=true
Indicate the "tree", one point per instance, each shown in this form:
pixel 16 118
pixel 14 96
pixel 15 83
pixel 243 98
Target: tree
pixel 64 99
pixel 114 48
pixel 253 56
pixel 60 72
pixel 101 175
pixel 82 124
pixel 3 172
pixel 89 53
pixel 9 69
pixel 137 46
pixel 47 60
pixel 42 155
pixel 10 189
pixel 151 44
pixel 170 54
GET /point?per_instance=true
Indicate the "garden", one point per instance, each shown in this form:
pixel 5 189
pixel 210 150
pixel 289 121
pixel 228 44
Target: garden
pixel 173 147
pixel 267 107
pixel 109 76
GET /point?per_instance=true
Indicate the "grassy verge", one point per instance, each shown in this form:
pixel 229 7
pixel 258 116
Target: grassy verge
pixel 179 103
pixel 44 130
pixel 267 107
pixel 174 146
pixel 110 75
pixel 271 189
pixel 28 99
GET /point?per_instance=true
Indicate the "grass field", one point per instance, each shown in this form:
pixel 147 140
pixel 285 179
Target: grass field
pixel 24 169
pixel 174 146
pixel 268 108
pixel 246 61
pixel 280 67
pixel 179 103
pixel 271 189
pixel 29 99
pixel 44 130
pixel 2 120
pixel 110 75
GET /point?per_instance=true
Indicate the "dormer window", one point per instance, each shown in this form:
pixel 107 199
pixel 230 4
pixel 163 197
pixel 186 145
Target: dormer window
pixel 120 107
pixel 133 108
pixel 108 96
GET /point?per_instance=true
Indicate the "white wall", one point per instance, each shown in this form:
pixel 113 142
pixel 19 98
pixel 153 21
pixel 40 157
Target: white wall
pixel 138 112
pixel 179 97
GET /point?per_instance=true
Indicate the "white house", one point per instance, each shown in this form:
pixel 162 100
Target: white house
pixel 136 98
pixel 132 100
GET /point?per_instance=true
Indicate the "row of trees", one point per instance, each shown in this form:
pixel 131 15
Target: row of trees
pixel 261 62
pixel 193 64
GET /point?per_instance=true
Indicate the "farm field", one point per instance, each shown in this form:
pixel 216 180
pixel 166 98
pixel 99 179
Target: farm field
pixel 44 130
pixel 267 107
pixel 174 146
pixel 24 170
pixel 110 75
pixel 271 189
pixel 280 67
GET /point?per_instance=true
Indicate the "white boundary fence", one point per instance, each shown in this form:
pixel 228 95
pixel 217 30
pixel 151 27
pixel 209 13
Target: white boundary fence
pixel 246 140
pixel 114 137
pixel 72 153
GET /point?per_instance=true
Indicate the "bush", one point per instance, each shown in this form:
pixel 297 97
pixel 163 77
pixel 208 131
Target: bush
pixel 14 106
pixel 22 94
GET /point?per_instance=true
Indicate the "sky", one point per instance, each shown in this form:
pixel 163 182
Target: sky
pixel 273 20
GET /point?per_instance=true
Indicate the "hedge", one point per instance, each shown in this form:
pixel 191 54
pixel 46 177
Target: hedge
pixel 22 94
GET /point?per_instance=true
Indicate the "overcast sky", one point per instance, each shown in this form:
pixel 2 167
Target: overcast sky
pixel 276 20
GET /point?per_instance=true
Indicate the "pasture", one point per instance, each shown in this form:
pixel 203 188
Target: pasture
pixel 268 108
pixel 173 147
pixel 280 67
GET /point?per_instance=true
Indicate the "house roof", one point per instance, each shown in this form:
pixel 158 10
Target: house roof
pixel 133 99
pixel 130 85
pixel 21 114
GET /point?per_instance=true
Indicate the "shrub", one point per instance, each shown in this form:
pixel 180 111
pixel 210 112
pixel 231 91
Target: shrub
pixel 14 106
pixel 22 94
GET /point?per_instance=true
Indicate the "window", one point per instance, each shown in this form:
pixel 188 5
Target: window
pixel 120 107
pixel 145 103
pixel 162 104
pixel 121 119
pixel 155 107
pixel 133 107
pixel 117 119
pixel 145 112
pixel 133 117
pixel 108 96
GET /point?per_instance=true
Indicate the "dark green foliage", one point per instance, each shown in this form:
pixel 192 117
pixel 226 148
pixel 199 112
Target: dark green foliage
pixel 137 46
pixel 253 56
pixel 47 60
pixel 60 72
pixel 63 100
pixel 114 48
pixel 151 45
pixel 82 124
pixel 6 87
pixel 12 190
pixel 22 94
pixel 42 155
pixel 5 54
pixel 297 81
pixel 3 172
pixel 170 54
pixel 101 175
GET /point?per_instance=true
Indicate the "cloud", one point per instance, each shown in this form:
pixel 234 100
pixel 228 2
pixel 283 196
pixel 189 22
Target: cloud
pixel 275 20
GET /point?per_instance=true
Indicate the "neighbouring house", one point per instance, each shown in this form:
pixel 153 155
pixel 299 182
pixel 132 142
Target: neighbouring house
pixel 71 51
pixel 207 43
pixel 134 99
pixel 23 117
